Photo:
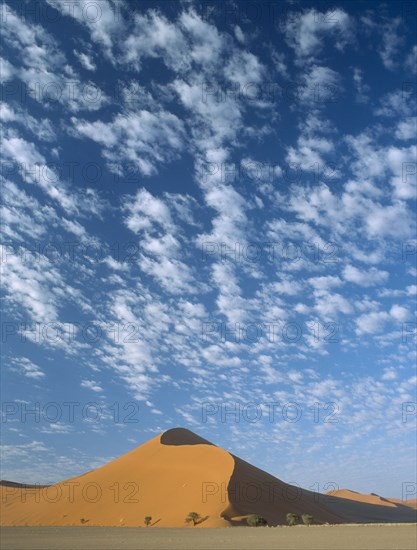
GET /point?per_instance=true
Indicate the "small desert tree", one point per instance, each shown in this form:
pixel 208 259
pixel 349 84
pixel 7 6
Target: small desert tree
pixel 193 518
pixel 307 519
pixel 255 520
pixel 292 519
pixel 147 520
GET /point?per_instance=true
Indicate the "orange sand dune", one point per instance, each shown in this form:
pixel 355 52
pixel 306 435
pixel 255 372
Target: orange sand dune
pixel 169 476
pixel 372 498
pixel 359 497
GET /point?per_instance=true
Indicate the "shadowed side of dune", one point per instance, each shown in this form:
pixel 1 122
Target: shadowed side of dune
pixel 253 491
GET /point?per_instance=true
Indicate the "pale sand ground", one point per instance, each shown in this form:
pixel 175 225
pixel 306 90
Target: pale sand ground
pixel 335 537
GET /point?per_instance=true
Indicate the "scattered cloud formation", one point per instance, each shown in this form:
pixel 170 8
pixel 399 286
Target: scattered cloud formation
pixel 194 215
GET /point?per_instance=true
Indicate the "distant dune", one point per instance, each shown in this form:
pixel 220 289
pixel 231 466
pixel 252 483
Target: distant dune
pixel 372 498
pixel 176 473
pixel 373 508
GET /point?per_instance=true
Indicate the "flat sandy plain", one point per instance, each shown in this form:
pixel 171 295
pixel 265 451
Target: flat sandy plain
pixel 320 537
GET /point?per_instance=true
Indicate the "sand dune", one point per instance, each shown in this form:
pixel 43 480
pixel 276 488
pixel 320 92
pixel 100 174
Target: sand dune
pixel 373 498
pixel 169 476
pixel 372 508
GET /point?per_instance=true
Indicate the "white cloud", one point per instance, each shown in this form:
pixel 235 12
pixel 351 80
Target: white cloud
pixel 104 20
pixel 240 37
pixel 309 153
pixel 362 89
pixel 228 226
pixel 321 86
pixel 28 368
pixel 151 217
pixel 392 40
pixel 31 285
pixel 146 210
pixel 374 322
pixel 141 138
pixel 45 69
pixel 329 305
pixel 390 221
pixel 91 385
pixel 85 60
pixel 400 313
pixel 389 374
pixel 399 103
pixel 244 69
pixel 154 36
pixel 402 164
pixel 36 170
pixel 411 60
pixel 7 71
pixel 307 32
pixel 214 121
pixel 406 129
pixel 189 40
pixel 365 278
pixel 288 286
pixel 206 41
pixel 325 282
pixel 11 452
pixel 278 59
pixel 41 128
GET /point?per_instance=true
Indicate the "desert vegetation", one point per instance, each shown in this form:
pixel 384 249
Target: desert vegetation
pixel 292 519
pixel 256 521
pixel 295 519
pixel 193 517
pixel 307 519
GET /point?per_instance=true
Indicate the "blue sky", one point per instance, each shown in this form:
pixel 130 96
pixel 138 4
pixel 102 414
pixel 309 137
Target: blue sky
pixel 209 222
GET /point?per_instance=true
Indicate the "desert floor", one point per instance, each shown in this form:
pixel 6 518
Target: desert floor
pixel 349 537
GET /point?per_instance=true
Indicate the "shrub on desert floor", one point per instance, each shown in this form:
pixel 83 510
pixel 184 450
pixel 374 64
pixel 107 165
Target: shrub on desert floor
pixel 292 519
pixel 307 519
pixel 193 518
pixel 147 520
pixel 255 520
